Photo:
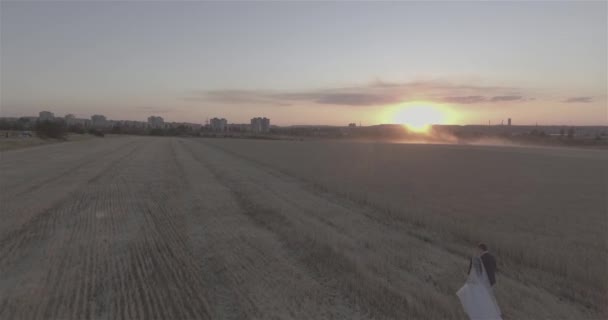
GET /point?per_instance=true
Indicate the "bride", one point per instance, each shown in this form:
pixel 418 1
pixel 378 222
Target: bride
pixel 477 296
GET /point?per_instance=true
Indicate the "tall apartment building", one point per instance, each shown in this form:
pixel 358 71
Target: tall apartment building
pixel 260 125
pixel 218 124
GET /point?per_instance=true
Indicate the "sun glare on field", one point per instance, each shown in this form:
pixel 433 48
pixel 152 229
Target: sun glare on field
pixel 418 117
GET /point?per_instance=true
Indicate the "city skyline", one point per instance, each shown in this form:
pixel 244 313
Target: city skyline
pixel 308 63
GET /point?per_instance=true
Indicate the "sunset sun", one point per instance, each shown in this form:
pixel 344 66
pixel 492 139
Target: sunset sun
pixel 418 117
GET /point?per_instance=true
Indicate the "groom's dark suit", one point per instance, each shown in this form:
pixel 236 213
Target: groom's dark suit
pixel 489 263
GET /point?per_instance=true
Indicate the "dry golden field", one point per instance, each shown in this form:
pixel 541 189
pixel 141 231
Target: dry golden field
pixel 176 228
pixel 543 211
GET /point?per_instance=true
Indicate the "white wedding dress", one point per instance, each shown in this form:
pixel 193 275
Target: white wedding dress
pixel 477 296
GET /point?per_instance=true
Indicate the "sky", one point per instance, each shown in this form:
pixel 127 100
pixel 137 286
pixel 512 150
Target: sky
pixel 307 62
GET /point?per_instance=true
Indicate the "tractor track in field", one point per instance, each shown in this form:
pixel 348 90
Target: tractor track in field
pixel 337 272
pixel 111 250
pixel 83 162
pixel 37 227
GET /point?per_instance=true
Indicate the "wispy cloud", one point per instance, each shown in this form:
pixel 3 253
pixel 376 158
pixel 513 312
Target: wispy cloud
pixel 578 100
pixel 342 96
pixel 374 94
pixel 357 99
pixel 507 98
pixel 465 99
pixel 479 99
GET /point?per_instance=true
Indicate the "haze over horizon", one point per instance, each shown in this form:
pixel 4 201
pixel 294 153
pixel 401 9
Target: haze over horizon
pixel 307 63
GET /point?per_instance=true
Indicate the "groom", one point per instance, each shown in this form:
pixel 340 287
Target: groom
pixel 489 263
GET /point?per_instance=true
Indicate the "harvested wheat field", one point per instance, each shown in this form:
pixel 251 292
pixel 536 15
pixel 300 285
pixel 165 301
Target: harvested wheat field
pixel 178 228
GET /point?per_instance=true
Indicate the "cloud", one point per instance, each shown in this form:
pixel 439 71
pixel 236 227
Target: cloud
pixel 376 93
pixel 465 99
pixel 479 99
pixel 319 97
pixel 384 84
pixel 506 98
pixel 578 100
pixel 356 99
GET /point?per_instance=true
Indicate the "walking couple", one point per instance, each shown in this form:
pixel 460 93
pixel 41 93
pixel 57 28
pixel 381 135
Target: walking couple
pixel 477 294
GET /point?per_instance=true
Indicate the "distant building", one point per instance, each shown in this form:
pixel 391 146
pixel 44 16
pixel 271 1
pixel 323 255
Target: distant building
pixel 352 125
pixel 99 121
pixel 194 126
pixel 256 125
pixel 218 124
pixel 46 116
pixel 260 125
pixel 155 122
pixel 71 120
pixel 187 125
pixel 133 124
pixel 239 127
